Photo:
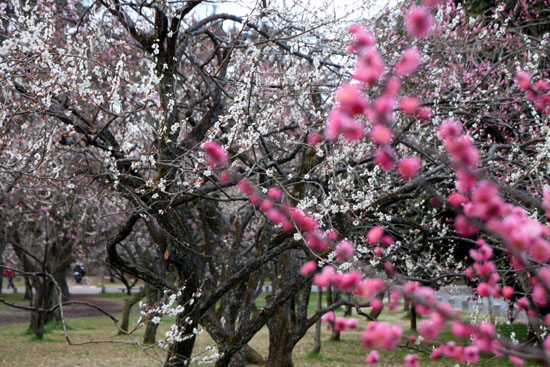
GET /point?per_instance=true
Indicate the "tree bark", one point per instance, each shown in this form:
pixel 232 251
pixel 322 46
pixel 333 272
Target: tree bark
pixel 61 279
pixel 28 289
pixel 413 317
pixel 279 335
pixel 128 304
pixel 153 297
pixel 44 297
pixel 318 324
pixel 334 335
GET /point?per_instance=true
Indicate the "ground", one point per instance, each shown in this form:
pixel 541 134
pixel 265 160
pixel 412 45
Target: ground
pixel 10 316
pixel 22 350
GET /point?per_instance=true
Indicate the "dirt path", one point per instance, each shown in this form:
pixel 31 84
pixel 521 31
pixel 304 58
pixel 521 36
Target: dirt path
pixel 16 316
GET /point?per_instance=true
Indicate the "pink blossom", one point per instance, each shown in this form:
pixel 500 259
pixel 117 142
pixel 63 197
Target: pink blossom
pixel 324 279
pixel 419 22
pixel 381 335
pixel 340 123
pixel 275 194
pixel 380 134
pixel 216 156
pixel 523 303
pixel 347 281
pixel 409 62
pixel 375 235
pixel 304 221
pixel 387 240
pixel 411 360
pixel 275 216
pixel 370 66
pixel 378 251
pixel 245 187
pixel 384 158
pixel 424 113
pixel 352 323
pixel 328 317
pixel 376 305
pixel 225 178
pixel 433 3
pixel 523 79
pixel 456 200
pixel 483 289
pixel 316 241
pixel 410 105
pixel 408 167
pixel 450 129
pixel 516 360
pixel 393 85
pixel 254 199
pixel 351 100
pixel 384 105
pixel 314 138
pixel 507 292
pixel 363 39
pixel 340 324
pixel 332 235
pixel 464 227
pixel 373 357
pixel 540 250
pixel 266 205
pixel 308 268
pixel 436 354
pixel 344 250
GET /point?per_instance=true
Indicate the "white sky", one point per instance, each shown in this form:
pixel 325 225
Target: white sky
pixel 338 8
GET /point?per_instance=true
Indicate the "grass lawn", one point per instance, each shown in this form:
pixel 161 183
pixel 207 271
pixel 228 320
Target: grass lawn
pixel 18 348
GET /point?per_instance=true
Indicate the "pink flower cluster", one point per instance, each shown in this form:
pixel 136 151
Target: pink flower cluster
pixel 536 92
pixel 216 156
pixel 351 103
pixel 339 323
pixel 381 335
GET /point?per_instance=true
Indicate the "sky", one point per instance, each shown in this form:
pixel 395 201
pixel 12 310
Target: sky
pixel 330 7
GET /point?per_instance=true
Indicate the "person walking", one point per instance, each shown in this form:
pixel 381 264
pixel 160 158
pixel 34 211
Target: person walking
pixel 10 274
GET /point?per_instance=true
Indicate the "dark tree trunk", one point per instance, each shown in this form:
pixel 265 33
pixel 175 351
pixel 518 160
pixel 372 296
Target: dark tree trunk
pixel 251 356
pixel 128 304
pixel 334 335
pixel 153 297
pixel 28 289
pixel 45 297
pixel 61 279
pixel 180 353
pixel 279 335
pixel 413 318
pixel 318 324
pixel 1 274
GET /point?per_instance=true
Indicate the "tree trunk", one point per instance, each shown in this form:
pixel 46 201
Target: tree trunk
pixel 128 304
pixel 413 317
pixel 28 289
pixel 334 335
pixel 318 324
pixel 153 297
pixel 1 276
pixel 181 352
pixel 406 305
pixel 279 335
pixel 45 297
pixel 61 279
pixel 251 356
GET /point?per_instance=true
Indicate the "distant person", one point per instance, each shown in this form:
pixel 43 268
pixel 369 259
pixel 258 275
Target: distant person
pixel 10 274
pixel 79 272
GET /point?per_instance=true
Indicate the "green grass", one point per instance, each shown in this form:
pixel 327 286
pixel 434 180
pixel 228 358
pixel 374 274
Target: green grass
pixel 12 298
pixel 23 350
